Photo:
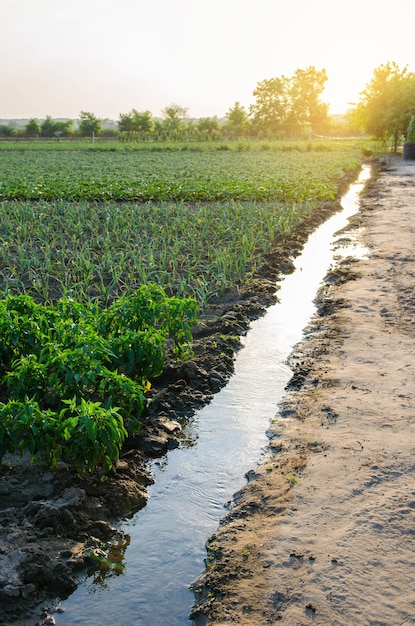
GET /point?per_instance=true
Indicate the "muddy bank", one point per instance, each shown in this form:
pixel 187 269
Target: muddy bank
pixel 323 531
pixel 54 525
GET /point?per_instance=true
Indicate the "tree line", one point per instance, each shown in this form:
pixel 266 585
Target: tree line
pixel 283 107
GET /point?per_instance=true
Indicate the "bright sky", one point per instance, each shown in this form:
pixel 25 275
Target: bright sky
pixel 108 56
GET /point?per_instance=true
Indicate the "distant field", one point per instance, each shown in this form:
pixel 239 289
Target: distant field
pixel 98 222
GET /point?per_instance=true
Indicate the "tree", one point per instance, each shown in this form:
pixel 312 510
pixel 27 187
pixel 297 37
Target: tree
pixel 305 89
pixel 269 111
pixel 32 128
pixel 142 122
pixel 387 103
pixel 237 120
pixel 208 127
pixel 64 127
pixel 290 106
pixel 89 124
pixel 52 128
pixel 126 122
pixel 174 116
pixel 6 130
pixel 47 127
pixel 135 124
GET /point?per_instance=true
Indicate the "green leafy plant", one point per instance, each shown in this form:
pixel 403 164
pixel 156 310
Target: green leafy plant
pixel 25 426
pixel 76 377
pixel 293 480
pixel 94 434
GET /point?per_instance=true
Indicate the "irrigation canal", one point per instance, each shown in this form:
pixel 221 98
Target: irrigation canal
pixel 159 551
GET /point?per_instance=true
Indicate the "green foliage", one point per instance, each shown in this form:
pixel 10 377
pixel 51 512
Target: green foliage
pixel 233 174
pixel 290 106
pixel 77 354
pixel 7 131
pixel 32 127
pixel 237 120
pixel 207 220
pixel 94 434
pixel 387 102
pixel 135 125
pixel 174 116
pixel 50 127
pixel 25 426
pixel 76 377
pixel 410 133
pixel 89 124
pixel 209 127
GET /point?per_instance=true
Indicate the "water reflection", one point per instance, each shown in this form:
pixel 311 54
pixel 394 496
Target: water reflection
pixel 109 564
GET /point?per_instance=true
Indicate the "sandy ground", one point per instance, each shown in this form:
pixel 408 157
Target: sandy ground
pixel 324 532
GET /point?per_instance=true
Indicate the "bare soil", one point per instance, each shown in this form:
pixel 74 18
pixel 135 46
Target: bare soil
pixel 324 531
pixel 295 522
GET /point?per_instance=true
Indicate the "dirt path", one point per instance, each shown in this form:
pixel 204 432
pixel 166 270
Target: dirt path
pixel 324 533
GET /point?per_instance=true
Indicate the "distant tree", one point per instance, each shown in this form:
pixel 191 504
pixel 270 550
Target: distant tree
pixel 387 103
pixel 143 122
pixel 237 120
pixel 271 104
pixel 126 122
pixel 89 124
pixel 306 106
pixel 52 128
pixel 290 106
pixel 32 128
pixel 158 129
pixel 65 127
pixel 110 133
pixel 208 127
pixel 47 127
pixel 174 116
pixel 6 130
pixel 136 124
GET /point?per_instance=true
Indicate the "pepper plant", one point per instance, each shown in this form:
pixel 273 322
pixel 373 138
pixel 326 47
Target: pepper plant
pixel 73 378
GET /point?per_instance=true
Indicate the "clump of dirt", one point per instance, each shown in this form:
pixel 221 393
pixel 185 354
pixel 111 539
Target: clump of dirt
pixel 55 524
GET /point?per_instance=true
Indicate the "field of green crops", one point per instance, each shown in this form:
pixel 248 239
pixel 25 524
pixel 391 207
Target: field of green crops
pixel 106 257
pixel 97 223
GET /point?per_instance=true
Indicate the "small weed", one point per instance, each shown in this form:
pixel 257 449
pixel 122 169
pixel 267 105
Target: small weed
pixel 292 479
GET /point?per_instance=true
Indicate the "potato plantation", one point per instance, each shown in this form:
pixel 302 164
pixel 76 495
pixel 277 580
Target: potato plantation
pixel 106 255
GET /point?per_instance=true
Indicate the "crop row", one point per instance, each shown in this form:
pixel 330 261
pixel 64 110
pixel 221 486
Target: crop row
pixel 179 176
pixel 100 250
pixel 94 247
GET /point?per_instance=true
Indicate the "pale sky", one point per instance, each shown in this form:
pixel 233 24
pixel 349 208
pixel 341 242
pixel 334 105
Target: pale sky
pixel 109 56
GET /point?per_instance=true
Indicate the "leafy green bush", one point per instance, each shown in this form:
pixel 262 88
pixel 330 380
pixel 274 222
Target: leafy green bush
pixel 95 434
pixel 74 378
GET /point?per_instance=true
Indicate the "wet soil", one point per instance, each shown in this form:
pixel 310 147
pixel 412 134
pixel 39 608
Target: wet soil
pixel 55 525
pixel 323 531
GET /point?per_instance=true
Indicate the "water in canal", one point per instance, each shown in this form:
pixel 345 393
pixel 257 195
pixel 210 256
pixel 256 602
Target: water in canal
pixel 160 550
